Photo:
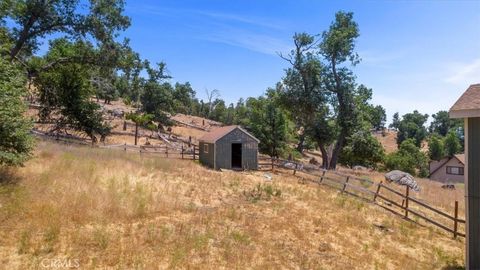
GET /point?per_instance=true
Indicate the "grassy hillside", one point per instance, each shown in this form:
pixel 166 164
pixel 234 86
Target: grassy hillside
pixel 108 208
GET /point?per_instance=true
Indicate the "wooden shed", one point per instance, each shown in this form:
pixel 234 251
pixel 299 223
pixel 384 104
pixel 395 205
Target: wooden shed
pixel 229 147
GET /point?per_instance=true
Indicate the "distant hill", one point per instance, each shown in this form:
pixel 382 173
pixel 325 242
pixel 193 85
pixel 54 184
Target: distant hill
pixel 389 141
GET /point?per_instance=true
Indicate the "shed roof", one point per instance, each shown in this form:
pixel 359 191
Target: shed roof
pixel 468 105
pixel 218 133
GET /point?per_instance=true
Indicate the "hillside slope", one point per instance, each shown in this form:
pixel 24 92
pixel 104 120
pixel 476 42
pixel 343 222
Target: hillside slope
pixel 107 208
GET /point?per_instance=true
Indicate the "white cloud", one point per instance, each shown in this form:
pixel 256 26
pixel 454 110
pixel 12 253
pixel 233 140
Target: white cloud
pixel 257 42
pixel 261 22
pixel 468 73
pixel 381 59
pixel 226 28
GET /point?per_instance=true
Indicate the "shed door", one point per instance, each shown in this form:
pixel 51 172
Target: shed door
pixel 236 155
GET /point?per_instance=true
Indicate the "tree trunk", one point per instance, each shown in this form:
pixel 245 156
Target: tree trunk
pixel 325 159
pixel 341 116
pixel 22 38
pixel 301 142
pixel 336 151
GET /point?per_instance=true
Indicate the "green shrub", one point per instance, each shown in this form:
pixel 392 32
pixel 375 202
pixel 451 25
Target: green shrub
pixel 408 158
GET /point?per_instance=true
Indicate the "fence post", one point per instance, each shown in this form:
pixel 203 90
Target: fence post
pixel 378 191
pixel 272 163
pixel 166 151
pixel 182 151
pixel 125 147
pixel 136 132
pixel 321 177
pixel 194 152
pixel 406 201
pixel 455 221
pixel 345 184
pixel 295 170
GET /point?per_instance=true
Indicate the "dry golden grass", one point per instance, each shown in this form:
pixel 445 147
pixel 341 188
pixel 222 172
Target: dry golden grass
pixel 431 191
pixel 108 208
pixel 187 132
pixel 389 141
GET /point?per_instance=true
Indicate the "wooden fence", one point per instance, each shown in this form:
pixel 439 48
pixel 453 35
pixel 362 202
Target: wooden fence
pixel 363 188
pixel 400 203
pixel 184 152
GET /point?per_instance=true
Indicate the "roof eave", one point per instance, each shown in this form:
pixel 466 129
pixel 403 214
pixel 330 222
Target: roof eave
pixel 464 113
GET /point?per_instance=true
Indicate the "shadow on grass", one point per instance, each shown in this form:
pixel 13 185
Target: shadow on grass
pixel 453 267
pixel 8 176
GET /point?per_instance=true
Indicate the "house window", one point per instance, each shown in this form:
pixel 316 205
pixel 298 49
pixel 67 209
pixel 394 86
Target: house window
pixel 454 170
pixel 205 148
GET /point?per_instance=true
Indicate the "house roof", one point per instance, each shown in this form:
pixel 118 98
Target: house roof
pixel 468 105
pixel 461 158
pixel 218 133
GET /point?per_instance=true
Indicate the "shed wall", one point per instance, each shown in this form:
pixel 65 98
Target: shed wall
pixel 205 158
pixel 249 150
pixel 472 189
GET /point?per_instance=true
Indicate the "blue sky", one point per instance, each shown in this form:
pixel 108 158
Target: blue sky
pixel 415 54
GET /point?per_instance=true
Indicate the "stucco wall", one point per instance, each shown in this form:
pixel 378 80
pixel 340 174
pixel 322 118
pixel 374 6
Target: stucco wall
pixel 435 164
pixel 442 176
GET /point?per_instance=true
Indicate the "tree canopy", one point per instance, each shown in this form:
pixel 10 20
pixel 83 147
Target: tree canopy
pixel 412 126
pixel 15 140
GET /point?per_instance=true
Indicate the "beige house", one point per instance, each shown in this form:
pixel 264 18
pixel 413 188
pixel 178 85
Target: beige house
pixel 448 169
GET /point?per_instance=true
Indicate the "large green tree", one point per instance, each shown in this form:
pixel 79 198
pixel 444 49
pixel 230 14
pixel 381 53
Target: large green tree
pixel 368 115
pixel 86 33
pixel 157 96
pixel 15 141
pixel 436 149
pixel 65 92
pixel 35 19
pixel 183 95
pixel 395 121
pixel 338 50
pixel 157 100
pixel 412 126
pixel 320 89
pixel 300 91
pixel 452 144
pixel 442 123
pixel 362 149
pixel 408 158
pixel 269 125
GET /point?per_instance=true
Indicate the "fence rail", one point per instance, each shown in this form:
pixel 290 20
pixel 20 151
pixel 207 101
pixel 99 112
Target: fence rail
pixel 191 152
pixel 382 195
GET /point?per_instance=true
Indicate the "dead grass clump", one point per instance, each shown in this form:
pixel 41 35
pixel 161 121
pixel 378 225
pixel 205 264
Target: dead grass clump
pixel 262 192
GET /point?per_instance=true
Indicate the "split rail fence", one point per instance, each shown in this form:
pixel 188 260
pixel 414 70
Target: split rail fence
pixel 184 152
pixel 404 204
